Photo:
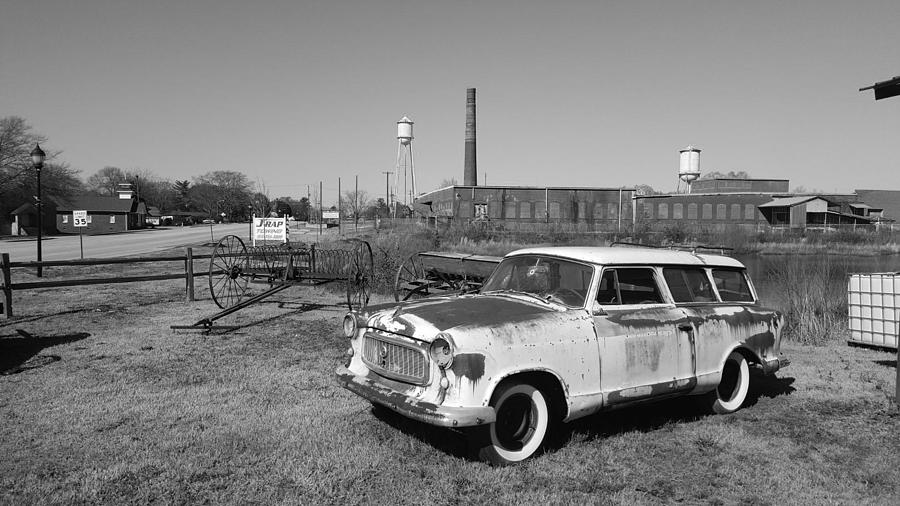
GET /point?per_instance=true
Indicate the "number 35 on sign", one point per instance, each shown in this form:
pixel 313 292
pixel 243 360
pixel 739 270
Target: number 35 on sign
pixel 79 218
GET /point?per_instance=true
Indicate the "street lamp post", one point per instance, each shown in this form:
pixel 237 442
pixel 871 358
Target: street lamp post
pixel 37 160
pixel 250 211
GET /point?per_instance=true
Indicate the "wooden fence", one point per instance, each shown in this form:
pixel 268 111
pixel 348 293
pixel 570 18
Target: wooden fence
pixel 6 310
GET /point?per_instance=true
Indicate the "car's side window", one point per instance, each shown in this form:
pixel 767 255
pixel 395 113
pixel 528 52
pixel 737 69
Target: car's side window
pixel 689 284
pixel 628 285
pixel 732 285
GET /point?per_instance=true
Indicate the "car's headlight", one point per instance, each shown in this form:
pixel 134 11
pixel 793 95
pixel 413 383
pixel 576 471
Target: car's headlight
pixel 351 324
pixel 441 350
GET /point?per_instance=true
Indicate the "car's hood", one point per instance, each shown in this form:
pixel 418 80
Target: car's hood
pixel 423 319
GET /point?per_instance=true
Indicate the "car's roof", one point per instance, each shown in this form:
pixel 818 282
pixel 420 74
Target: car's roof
pixel 630 256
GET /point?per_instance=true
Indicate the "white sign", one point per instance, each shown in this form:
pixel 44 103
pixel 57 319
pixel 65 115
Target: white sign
pixel 270 229
pixel 330 215
pixel 79 218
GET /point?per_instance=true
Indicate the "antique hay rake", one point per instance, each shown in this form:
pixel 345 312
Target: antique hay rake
pixel 234 266
pixel 437 272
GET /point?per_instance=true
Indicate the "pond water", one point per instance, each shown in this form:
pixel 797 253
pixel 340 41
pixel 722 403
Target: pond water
pixel 762 269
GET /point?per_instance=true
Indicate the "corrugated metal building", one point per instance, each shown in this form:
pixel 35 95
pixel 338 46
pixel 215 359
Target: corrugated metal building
pixel 733 185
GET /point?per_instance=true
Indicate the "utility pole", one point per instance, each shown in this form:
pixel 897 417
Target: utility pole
pixel 886 89
pixel 387 188
pixel 320 209
pixel 356 204
pixel 340 211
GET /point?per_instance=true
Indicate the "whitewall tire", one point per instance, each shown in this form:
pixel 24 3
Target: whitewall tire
pixel 732 390
pixel 523 421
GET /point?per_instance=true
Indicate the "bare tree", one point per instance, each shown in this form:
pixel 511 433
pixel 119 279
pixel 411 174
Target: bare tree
pixel 261 204
pixel 16 142
pixel 106 180
pixel 354 202
pixel 726 175
pixel 233 190
pixel 18 178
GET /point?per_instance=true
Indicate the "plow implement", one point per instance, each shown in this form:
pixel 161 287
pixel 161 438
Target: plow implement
pixel 234 266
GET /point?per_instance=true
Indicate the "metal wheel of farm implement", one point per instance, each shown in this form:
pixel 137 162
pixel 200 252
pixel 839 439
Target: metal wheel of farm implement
pixel 410 281
pixel 227 271
pixel 360 275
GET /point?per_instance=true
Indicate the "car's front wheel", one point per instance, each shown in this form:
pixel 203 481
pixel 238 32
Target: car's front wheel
pixel 522 424
pixel 731 392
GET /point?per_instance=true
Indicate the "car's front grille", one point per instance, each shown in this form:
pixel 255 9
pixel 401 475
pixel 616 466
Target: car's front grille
pixel 395 360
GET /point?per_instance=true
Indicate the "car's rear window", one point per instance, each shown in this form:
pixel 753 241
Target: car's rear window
pixel 689 284
pixel 732 285
pixel 628 286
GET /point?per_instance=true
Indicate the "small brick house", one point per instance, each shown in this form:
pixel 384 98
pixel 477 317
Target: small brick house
pixel 105 215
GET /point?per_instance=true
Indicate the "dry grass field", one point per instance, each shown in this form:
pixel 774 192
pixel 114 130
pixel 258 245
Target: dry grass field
pixel 100 402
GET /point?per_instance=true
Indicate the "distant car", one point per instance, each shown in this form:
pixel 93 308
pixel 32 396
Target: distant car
pixel 559 333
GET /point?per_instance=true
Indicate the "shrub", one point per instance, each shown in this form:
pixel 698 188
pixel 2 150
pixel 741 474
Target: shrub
pixel 814 296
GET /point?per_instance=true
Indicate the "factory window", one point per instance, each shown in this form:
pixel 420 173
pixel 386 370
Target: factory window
pixel 720 211
pixel 494 209
pixel 525 210
pixel 707 211
pixel 112 218
pixel 510 209
pixel 582 211
pixel 663 212
pixel 677 213
pixel 749 212
pixel 735 211
pixel 554 210
pixel 598 211
pixel 648 211
pixel 65 218
pixel 540 210
pixel 692 212
pixel 612 211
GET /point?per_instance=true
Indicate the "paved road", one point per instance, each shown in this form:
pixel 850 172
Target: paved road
pixel 65 247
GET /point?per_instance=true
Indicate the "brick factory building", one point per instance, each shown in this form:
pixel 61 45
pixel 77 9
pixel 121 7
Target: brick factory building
pixel 600 208
pixel 713 204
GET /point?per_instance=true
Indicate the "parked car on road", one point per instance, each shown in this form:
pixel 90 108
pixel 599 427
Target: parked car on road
pixel 559 333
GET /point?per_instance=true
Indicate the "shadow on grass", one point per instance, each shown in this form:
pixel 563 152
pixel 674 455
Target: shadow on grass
pixel 641 418
pixel 446 440
pixel 21 352
pixel 33 318
pixel 655 415
pixel 887 363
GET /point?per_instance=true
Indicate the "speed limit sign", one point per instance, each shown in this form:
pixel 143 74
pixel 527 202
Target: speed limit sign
pixel 79 218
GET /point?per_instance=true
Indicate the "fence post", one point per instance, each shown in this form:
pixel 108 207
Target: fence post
pixel 6 302
pixel 189 274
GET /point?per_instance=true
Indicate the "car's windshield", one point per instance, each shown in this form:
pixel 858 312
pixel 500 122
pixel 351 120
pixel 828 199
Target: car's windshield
pixel 549 278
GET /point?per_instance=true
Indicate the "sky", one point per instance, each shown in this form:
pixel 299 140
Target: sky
pixel 569 93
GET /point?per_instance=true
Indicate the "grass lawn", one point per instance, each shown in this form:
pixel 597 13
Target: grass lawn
pixel 100 402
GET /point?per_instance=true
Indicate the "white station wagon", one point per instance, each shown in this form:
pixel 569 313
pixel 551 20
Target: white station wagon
pixel 558 333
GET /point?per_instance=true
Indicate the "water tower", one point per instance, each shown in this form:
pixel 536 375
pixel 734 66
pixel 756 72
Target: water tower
pixel 405 160
pixel 688 169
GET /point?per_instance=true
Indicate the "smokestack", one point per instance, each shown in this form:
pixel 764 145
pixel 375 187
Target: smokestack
pixel 470 175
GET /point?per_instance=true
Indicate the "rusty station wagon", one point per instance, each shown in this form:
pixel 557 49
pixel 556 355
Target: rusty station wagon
pixel 558 333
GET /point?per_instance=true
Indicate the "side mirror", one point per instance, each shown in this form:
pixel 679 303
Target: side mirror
pixel 596 310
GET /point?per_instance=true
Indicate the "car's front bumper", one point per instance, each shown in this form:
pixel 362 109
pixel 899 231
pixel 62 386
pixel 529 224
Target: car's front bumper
pixel 434 414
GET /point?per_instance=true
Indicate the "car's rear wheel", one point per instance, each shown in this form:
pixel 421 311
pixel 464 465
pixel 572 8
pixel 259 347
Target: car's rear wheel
pixel 731 392
pixel 523 420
